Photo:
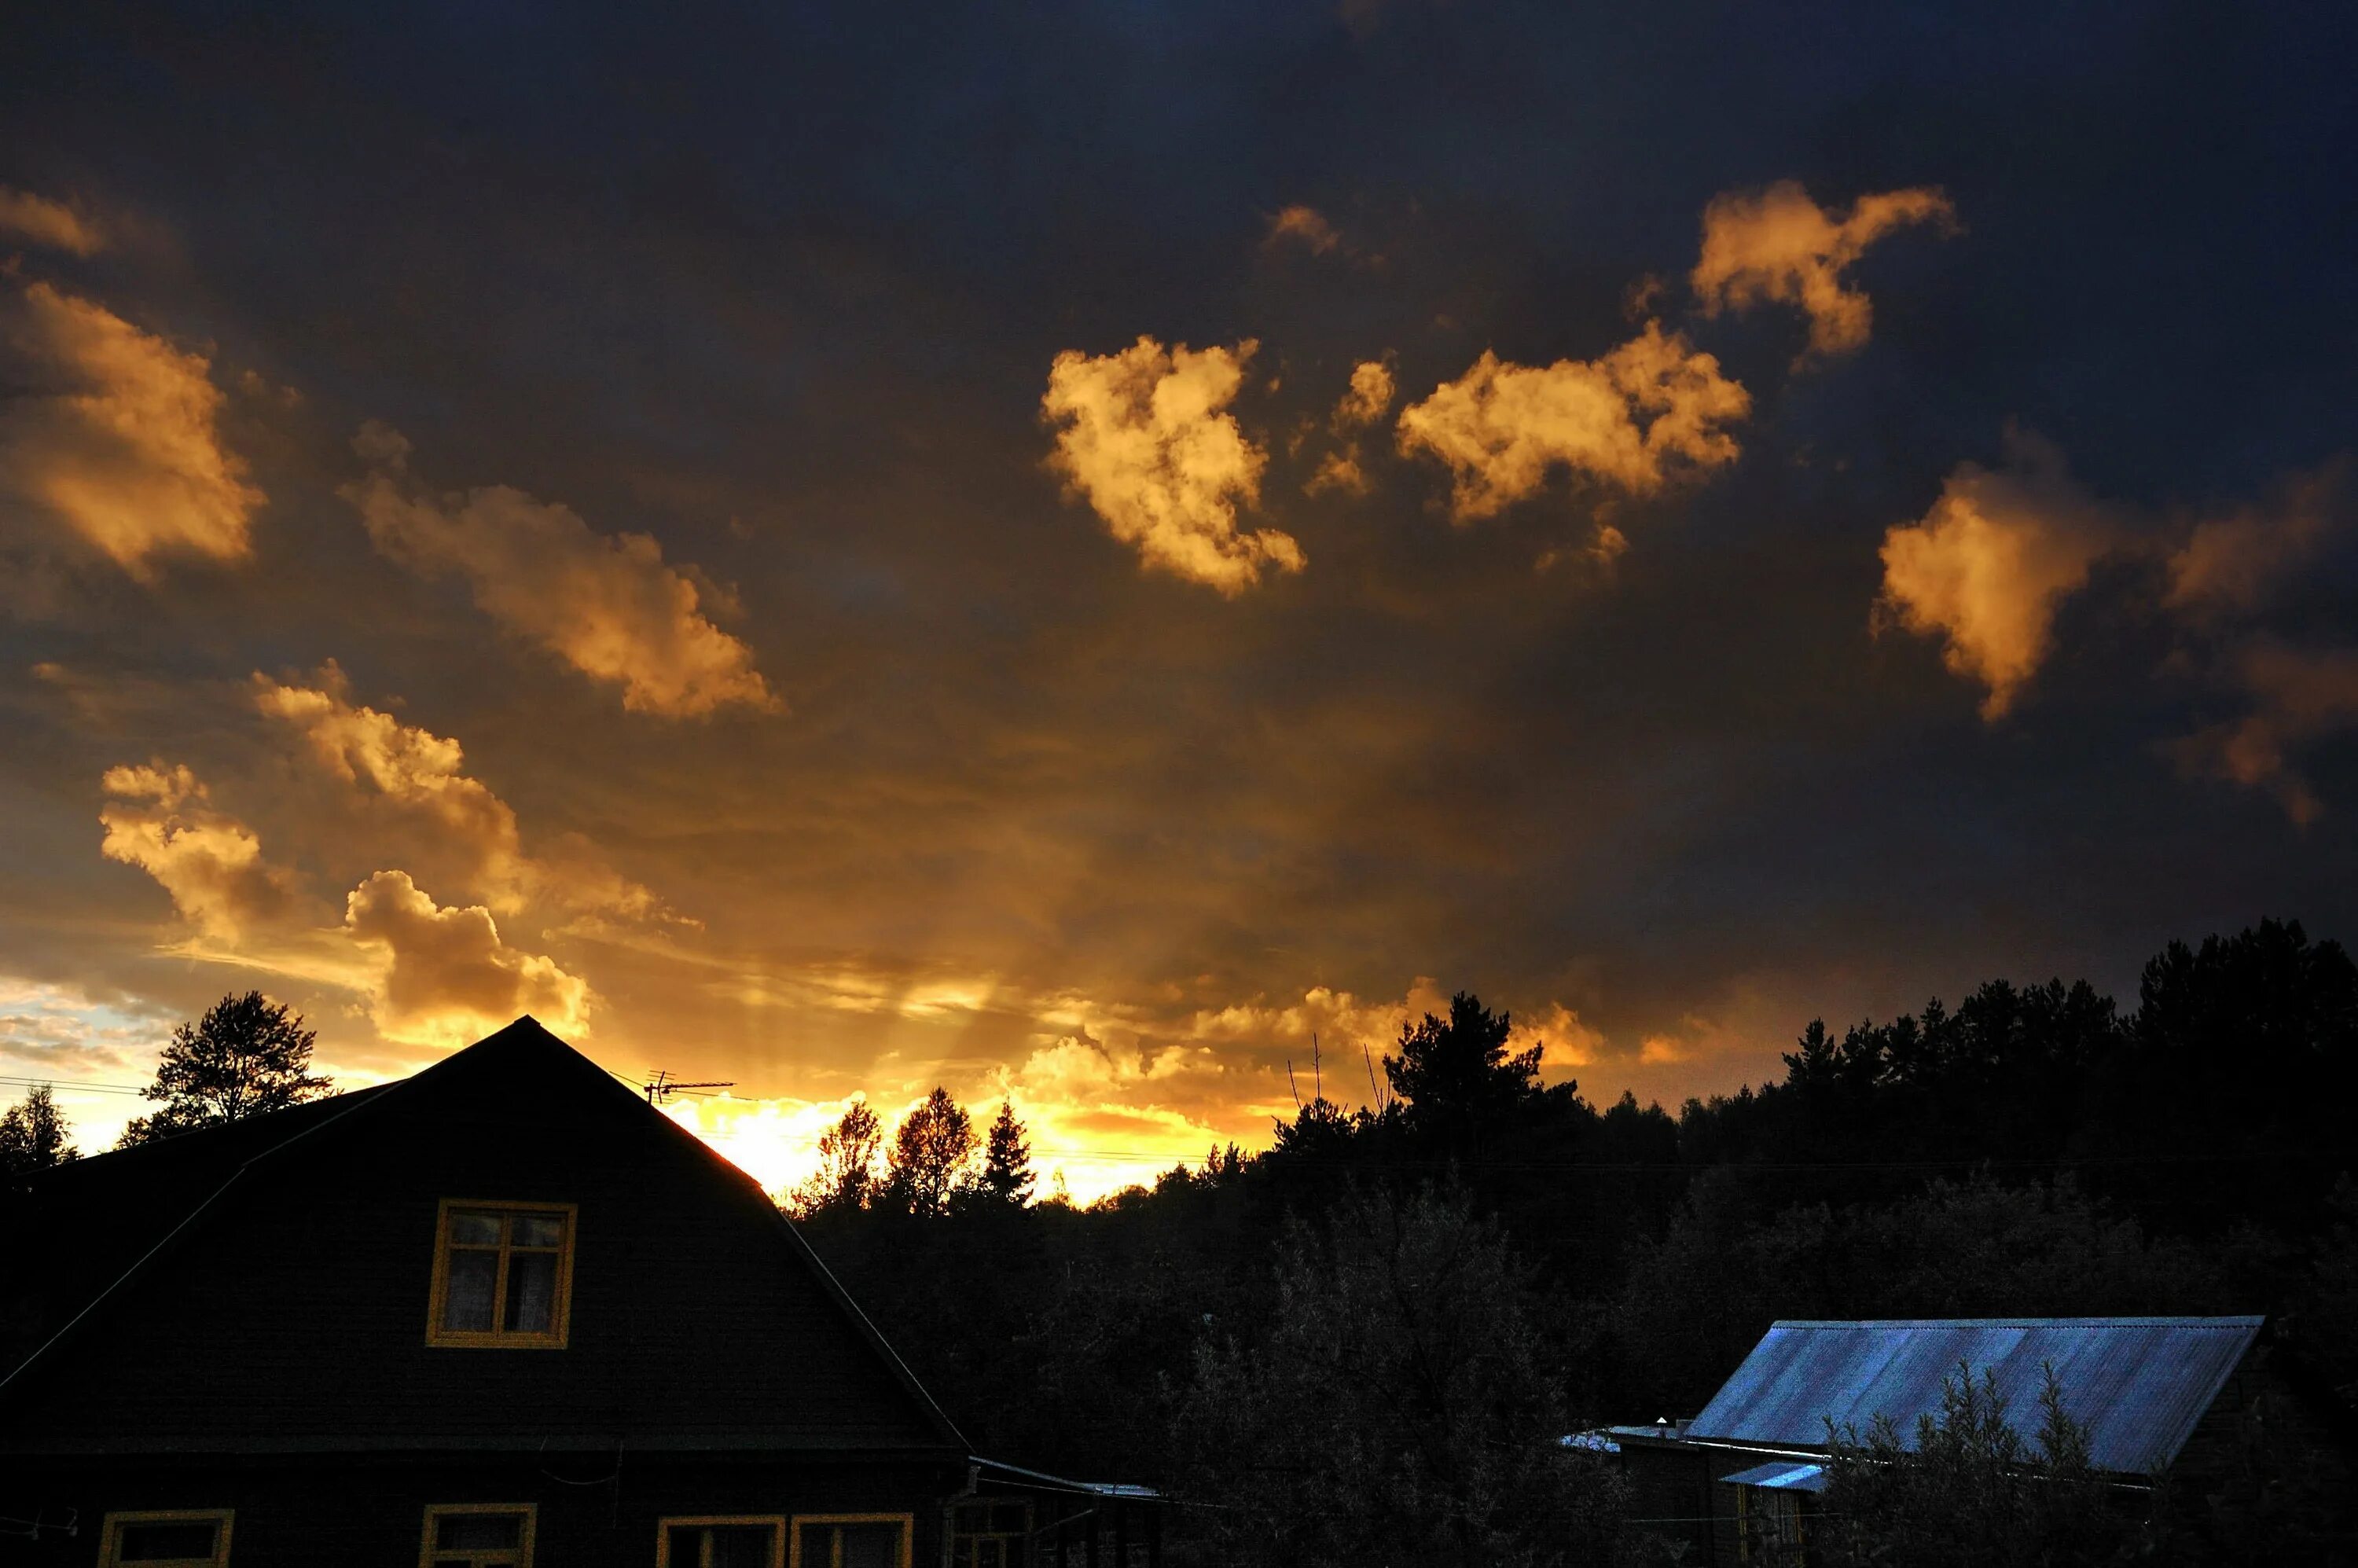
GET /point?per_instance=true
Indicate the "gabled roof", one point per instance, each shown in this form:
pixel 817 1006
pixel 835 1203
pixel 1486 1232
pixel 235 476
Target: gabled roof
pixel 99 1224
pixel 2138 1384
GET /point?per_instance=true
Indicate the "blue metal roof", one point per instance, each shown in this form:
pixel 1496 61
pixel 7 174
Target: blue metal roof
pixel 2138 1384
pixel 1781 1477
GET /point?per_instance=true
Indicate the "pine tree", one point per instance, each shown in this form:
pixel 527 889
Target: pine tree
pixel 246 1057
pixel 1006 1174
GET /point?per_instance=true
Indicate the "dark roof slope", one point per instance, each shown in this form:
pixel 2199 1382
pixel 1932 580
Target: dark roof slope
pixel 72 1231
pixel 2138 1384
pixel 173 1229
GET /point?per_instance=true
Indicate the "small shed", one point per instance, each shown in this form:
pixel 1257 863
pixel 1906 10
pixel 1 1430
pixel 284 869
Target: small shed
pixel 2158 1396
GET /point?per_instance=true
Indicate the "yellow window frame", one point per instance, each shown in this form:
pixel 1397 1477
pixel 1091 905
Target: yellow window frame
pixel 1025 1534
pixel 519 1557
pixel 663 1526
pixel 111 1536
pixel 908 1523
pixel 560 1321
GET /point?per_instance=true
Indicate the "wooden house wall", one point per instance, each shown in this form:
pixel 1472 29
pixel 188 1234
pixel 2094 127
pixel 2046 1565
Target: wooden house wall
pixel 1672 1489
pixel 297 1316
pixel 304 1514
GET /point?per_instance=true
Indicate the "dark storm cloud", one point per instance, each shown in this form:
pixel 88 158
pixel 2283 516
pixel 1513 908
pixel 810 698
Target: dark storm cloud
pixel 781 293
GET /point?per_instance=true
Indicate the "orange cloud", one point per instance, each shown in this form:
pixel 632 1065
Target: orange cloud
pixel 608 605
pixel 1778 245
pixel 1990 563
pixel 116 439
pixel 1141 435
pixel 1624 419
pixel 1370 394
pixel 161 819
pixel 37 221
pixel 2298 697
pixel 1304 226
pixel 447 977
pixel 2229 563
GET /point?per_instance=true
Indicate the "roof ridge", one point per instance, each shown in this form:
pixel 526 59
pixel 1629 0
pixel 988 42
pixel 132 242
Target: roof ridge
pixel 2223 1320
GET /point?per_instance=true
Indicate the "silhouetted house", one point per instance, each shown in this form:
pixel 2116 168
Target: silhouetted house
pixel 2161 1398
pixel 499 1313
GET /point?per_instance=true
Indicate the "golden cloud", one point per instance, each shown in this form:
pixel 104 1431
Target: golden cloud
pixel 117 439
pixel 408 765
pixel 1778 245
pixel 447 978
pixel 37 221
pixel 1625 419
pixel 1370 393
pixel 161 819
pixel 1989 564
pixel 1141 435
pixel 608 605
pixel 418 771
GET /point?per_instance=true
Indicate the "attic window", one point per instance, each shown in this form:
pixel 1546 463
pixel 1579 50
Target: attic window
pixel 184 1537
pixel 741 1541
pixel 477 1535
pixel 503 1275
pixel 851 1540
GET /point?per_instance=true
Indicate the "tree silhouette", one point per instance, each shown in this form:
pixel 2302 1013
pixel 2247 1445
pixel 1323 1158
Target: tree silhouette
pixel 1967 1491
pixel 931 1150
pixel 246 1057
pixel 34 1135
pixel 1007 1172
pixel 1454 1077
pixel 1399 1405
pixel 846 1177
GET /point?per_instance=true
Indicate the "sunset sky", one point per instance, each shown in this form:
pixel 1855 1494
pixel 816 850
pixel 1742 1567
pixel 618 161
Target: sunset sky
pixel 1063 550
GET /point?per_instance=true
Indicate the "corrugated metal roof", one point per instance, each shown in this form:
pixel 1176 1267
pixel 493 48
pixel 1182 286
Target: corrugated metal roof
pixel 2138 1384
pixel 1781 1477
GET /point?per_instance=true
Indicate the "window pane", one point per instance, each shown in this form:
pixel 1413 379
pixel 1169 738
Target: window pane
pixel 740 1545
pixel 478 1532
pixel 161 1543
pixel 532 1291
pixel 871 1545
pixel 538 1230
pixel 471 1229
pixel 466 1305
pixel 683 1545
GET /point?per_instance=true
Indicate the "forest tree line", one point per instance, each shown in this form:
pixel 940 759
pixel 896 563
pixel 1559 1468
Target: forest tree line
pixel 1362 1342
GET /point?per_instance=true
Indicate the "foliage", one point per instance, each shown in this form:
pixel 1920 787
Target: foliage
pixel 1398 1406
pixel 1454 1075
pixel 931 1150
pixel 1006 1176
pixel 2031 1151
pixel 35 1135
pixel 846 1177
pixel 1968 1492
pixel 245 1057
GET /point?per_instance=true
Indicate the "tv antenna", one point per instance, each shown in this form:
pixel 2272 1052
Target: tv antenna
pixel 661 1085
